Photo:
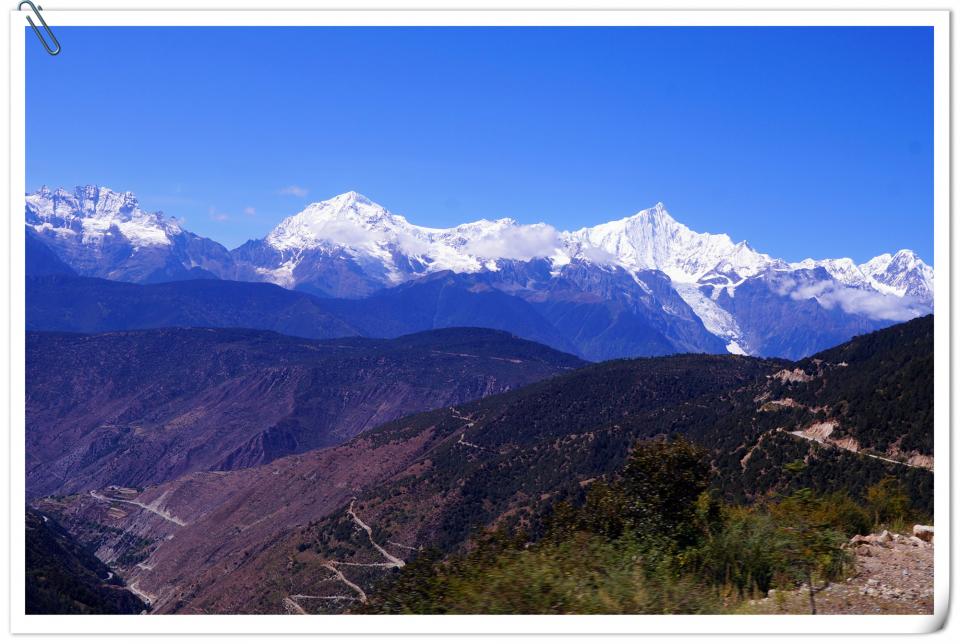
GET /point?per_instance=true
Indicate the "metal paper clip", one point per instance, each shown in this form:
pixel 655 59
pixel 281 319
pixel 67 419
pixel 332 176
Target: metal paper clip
pixel 36 10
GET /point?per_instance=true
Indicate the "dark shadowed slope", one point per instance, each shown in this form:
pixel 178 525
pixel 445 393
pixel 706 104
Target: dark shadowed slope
pixel 41 260
pixel 91 305
pixel 594 314
pixel 448 300
pixel 141 407
pixel 65 578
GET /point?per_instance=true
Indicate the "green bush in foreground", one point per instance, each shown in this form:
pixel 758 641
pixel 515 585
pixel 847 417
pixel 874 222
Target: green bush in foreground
pixel 653 540
pixel 584 574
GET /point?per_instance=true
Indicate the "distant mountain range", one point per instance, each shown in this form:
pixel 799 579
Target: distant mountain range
pixel 642 285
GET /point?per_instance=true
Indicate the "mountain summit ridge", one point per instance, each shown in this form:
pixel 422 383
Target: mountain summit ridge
pixel 349 246
pixel 648 239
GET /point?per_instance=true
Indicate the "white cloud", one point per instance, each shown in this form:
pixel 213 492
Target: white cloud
pixel 413 245
pixel 293 191
pixel 597 255
pixel 250 211
pixel 346 232
pixel 783 286
pixel 878 306
pixel 216 215
pixel 516 242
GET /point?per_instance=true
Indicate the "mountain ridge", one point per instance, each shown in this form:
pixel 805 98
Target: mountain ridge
pixel 105 208
pixel 350 247
pixel 434 478
pixel 143 406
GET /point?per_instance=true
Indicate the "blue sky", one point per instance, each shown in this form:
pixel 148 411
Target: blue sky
pixel 804 141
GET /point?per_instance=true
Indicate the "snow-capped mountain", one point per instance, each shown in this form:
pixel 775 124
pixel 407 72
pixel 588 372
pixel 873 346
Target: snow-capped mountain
pixel 901 274
pixel 102 233
pixel 377 248
pixel 653 240
pixel 606 285
pixel 649 240
pixel 388 244
pixel 91 214
pixel 353 225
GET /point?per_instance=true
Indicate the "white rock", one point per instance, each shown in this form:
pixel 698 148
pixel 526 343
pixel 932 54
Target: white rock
pixel 924 532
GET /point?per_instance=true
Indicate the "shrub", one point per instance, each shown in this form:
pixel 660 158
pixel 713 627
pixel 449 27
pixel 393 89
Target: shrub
pixel 744 554
pixel 812 550
pixel 888 501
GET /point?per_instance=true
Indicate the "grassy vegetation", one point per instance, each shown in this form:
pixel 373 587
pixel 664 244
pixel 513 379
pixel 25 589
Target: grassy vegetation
pixel 653 539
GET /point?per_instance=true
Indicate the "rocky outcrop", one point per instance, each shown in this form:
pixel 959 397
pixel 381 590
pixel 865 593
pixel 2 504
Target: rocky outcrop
pixel 924 532
pixel 792 375
pixel 896 568
pixel 893 574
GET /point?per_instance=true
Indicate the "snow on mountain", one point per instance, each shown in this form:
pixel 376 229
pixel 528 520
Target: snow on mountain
pixel 366 231
pixel 844 270
pixel 349 246
pixel 700 266
pixel 100 232
pixel 715 318
pixel 649 240
pixel 652 239
pixel 91 213
pixel 902 274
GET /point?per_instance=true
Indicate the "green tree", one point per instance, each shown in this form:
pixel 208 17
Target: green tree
pixel 812 550
pixel 888 501
pixel 741 552
pixel 661 483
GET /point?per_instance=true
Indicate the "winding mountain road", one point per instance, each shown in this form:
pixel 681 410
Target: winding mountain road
pixel 149 508
pixel 362 596
pixel 290 602
pixel 395 562
pixel 821 441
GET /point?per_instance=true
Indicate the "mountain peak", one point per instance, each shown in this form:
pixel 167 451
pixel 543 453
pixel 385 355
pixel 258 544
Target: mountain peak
pixel 903 259
pixel 350 197
pixel 350 203
pixel 347 219
pixel 96 212
pixel 657 210
pixel 657 217
pixel 352 224
pixel 905 254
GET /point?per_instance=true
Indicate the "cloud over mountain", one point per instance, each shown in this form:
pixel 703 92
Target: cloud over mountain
pixel 516 241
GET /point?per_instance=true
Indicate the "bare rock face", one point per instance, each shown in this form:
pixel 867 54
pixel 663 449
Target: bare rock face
pixel 924 532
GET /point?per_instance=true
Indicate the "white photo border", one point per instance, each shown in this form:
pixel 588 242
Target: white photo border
pixel 483 624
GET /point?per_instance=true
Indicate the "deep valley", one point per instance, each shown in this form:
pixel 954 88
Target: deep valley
pixel 322 530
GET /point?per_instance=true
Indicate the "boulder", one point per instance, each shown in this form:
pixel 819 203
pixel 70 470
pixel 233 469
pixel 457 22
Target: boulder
pixel 917 542
pixel 924 532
